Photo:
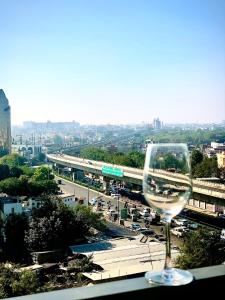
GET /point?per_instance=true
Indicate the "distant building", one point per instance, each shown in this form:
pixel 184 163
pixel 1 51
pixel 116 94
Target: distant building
pixel 71 200
pixel 9 205
pixel 221 159
pixel 27 151
pixel 157 124
pixel 5 123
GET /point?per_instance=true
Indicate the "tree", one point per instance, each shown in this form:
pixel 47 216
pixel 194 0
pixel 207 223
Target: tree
pixel 196 158
pixel 13 160
pixel 15 172
pixel 14 283
pixel 4 171
pixel 11 186
pixel 3 152
pixel 56 226
pixel 15 248
pixel 201 248
pixel 43 173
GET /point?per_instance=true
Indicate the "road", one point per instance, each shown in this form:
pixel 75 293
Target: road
pixel 113 228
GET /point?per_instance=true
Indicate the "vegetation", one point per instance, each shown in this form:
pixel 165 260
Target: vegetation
pixel 201 248
pixel 132 159
pixel 202 166
pixel 194 137
pixel 21 180
pixel 17 283
pixel 15 247
pixel 55 225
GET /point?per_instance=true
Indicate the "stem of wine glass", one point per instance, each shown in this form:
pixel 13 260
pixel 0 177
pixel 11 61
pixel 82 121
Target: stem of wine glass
pixel 168 265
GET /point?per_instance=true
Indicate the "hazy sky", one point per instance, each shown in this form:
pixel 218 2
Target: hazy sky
pixel 113 61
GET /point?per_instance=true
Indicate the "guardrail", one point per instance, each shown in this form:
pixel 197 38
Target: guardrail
pixel 207 281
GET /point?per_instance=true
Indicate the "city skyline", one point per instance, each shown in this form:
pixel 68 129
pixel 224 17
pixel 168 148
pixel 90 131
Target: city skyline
pixel 114 63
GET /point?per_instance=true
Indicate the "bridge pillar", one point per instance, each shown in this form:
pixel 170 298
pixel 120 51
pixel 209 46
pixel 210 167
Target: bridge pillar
pixel 77 174
pixel 106 185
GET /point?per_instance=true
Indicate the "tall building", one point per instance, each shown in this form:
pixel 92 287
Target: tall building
pixel 157 124
pixel 5 123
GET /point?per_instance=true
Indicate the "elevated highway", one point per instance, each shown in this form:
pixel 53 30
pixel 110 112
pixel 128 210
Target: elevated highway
pixel 206 189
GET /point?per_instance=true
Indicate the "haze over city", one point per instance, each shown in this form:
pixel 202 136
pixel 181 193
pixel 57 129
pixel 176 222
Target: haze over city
pixel 113 61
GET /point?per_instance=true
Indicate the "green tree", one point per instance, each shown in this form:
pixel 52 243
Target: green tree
pixel 15 172
pixel 4 171
pixel 13 160
pixel 43 173
pixel 11 186
pixel 196 158
pixel 56 226
pixel 14 283
pixel 15 248
pixel 3 152
pixel 201 248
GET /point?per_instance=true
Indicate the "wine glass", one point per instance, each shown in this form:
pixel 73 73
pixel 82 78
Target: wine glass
pixel 167 186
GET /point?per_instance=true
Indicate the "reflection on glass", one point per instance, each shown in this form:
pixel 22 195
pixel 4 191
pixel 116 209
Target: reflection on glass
pixel 167 187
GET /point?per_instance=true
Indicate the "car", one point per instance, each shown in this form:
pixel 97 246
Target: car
pixel 114 195
pixel 193 226
pixel 179 222
pixel 222 235
pixel 147 232
pixel 179 231
pixel 145 212
pixel 167 192
pixel 135 227
pixel 222 216
pixel 93 201
pixel 160 237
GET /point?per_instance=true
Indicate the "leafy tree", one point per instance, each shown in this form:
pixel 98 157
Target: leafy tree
pixel 207 168
pixel 15 248
pixel 4 171
pixel 82 265
pixel 13 160
pixel 27 171
pixel 3 152
pixel 43 173
pixel 15 172
pixel 14 283
pixel 11 186
pixel 56 226
pixel 201 248
pixel 196 158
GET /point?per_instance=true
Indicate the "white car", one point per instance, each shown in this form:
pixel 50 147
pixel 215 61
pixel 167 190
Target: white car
pixel 179 231
pixel 180 222
pixel 93 201
pixel 115 195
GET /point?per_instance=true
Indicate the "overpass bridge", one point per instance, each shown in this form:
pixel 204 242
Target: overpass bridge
pixel 202 190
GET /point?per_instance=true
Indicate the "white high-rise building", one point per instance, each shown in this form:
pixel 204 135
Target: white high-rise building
pixel 5 123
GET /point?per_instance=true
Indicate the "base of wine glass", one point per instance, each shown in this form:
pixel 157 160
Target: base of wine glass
pixel 172 277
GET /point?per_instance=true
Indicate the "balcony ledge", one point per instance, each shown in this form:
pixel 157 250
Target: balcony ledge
pixel 206 279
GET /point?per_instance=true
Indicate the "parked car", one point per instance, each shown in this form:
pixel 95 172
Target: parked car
pixel 193 226
pixel 147 232
pixel 135 227
pixel 179 231
pixel 179 222
pixel 114 195
pixel 160 237
pixel 222 235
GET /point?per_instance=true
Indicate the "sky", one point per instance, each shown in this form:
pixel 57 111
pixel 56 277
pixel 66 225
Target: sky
pixel 113 61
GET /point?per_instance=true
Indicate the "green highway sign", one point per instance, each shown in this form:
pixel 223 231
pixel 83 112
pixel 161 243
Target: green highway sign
pixel 123 214
pixel 112 171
